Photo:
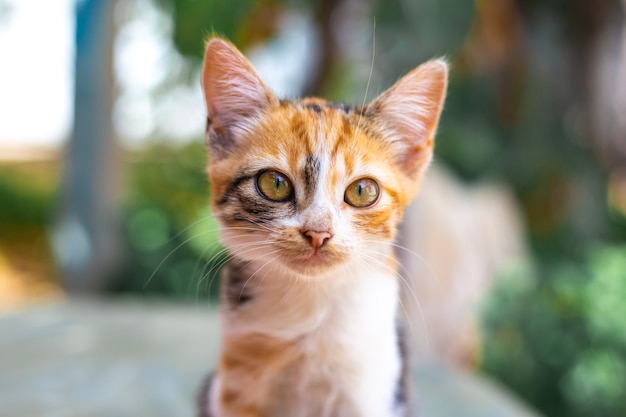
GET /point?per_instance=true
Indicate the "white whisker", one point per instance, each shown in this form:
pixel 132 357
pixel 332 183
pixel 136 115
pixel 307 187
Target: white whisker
pixel 259 269
pixel 407 285
pixel 293 285
pixel 414 254
pixel 369 79
pixel 180 245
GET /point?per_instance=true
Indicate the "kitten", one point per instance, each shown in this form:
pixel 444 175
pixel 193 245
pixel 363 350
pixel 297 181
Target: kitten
pixel 308 195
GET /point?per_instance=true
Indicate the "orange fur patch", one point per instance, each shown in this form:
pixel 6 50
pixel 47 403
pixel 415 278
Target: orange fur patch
pixel 253 361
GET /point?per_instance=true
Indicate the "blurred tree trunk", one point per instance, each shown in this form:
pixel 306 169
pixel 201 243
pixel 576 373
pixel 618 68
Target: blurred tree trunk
pixel 594 32
pixel 85 235
pixel 328 45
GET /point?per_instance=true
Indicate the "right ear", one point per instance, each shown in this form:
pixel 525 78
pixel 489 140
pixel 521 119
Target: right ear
pixel 234 94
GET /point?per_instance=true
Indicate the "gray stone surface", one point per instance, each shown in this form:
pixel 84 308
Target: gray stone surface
pixel 124 358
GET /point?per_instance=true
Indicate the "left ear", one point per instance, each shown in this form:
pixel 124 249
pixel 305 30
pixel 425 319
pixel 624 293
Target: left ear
pixel 410 110
pixel 234 94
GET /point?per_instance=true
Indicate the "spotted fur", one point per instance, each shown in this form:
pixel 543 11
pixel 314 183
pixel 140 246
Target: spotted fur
pixel 309 314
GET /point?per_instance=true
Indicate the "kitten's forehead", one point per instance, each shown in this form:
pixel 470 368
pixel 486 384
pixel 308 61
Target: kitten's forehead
pixel 313 136
pixel 321 147
pixel 320 106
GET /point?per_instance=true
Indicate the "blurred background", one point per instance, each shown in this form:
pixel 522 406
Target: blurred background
pixel 102 162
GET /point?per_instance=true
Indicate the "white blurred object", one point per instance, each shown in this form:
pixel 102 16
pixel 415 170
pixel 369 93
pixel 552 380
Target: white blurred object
pixel 37 50
pixel 455 237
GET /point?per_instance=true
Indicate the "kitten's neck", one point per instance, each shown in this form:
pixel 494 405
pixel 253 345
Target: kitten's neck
pixel 276 300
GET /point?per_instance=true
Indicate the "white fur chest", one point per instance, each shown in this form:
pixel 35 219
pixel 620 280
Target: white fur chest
pixel 346 361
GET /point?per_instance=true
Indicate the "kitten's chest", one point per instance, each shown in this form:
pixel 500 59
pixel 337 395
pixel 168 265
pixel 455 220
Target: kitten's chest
pixel 335 378
pixel 338 355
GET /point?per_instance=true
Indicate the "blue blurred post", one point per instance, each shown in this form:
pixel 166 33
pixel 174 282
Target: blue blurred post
pixel 85 236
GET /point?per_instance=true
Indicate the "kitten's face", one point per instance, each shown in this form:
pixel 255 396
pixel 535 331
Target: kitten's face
pixel 308 189
pixel 308 185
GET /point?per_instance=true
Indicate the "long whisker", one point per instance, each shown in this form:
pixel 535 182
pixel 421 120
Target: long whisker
pixel 243 287
pixel 180 245
pixel 378 264
pixel 199 220
pixel 240 249
pixel 369 79
pixel 216 266
pixel 414 254
pixel 190 238
pixel 236 249
pixel 259 225
pixel 184 242
pixel 388 268
pixel 293 285
pixel 405 282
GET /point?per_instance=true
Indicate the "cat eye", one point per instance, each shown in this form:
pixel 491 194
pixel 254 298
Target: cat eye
pixel 274 186
pixel 362 193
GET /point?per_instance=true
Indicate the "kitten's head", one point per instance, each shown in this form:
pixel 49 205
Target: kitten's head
pixel 310 185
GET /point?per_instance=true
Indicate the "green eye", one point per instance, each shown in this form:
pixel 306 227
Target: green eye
pixel 362 193
pixel 274 186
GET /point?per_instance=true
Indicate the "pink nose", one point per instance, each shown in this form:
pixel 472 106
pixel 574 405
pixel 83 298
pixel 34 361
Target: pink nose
pixel 317 239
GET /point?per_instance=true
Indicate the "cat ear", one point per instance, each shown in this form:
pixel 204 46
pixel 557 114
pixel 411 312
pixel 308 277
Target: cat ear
pixel 410 110
pixel 234 94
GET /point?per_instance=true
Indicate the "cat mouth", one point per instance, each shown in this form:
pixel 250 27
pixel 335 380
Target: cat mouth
pixel 314 263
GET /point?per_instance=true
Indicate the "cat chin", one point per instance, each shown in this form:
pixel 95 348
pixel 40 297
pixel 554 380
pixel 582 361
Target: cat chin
pixel 314 269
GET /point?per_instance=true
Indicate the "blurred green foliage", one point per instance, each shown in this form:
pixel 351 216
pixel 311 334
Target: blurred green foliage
pixel 170 233
pixel 556 334
pixel 194 21
pixel 26 196
pixel 27 201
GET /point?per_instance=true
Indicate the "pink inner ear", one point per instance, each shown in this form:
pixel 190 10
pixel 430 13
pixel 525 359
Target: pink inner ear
pixel 233 91
pixel 411 109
